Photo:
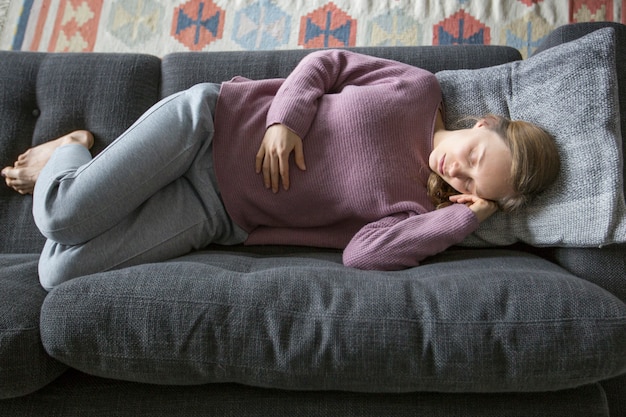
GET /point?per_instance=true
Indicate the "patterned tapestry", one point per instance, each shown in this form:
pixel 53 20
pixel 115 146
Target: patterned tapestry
pixel 162 26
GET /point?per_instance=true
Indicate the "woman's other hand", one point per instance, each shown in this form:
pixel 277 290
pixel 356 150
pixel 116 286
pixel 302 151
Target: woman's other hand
pixel 482 208
pixel 272 159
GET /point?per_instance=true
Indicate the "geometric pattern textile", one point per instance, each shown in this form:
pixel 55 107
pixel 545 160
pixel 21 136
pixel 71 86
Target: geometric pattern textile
pixel 159 27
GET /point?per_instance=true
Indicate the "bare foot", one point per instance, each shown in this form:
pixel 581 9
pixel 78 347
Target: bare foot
pixel 23 175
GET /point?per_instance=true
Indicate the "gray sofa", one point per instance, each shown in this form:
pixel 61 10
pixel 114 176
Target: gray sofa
pixel 267 331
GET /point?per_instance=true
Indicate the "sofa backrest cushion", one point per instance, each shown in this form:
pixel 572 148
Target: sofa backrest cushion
pixel 182 70
pixel 43 96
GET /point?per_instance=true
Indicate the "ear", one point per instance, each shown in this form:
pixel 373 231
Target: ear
pixel 487 121
pixel 480 124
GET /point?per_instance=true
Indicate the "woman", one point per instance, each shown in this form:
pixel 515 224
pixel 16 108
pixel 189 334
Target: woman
pixel 185 174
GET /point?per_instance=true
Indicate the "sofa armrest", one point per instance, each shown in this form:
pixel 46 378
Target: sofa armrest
pixel 46 95
pixel 603 266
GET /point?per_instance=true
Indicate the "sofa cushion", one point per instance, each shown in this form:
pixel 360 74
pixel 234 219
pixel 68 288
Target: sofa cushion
pixel 18 112
pixel 571 91
pixel 605 267
pixel 483 321
pixel 76 394
pixel 181 70
pixel 24 364
pixel 43 96
pixel 570 32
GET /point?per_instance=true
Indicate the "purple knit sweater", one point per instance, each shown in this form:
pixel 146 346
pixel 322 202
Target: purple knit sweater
pixel 367 128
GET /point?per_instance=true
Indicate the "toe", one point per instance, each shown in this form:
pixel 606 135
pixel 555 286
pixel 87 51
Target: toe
pixel 9 172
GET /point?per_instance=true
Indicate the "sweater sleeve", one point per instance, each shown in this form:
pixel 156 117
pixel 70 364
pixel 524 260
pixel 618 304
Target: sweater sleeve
pixel 329 72
pixel 402 241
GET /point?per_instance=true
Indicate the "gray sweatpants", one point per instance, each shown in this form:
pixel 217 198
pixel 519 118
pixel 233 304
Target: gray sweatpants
pixel 149 196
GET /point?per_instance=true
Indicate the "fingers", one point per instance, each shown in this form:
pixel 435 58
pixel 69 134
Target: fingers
pixel 299 156
pixel 464 198
pixel 283 168
pixel 274 165
pixel 260 156
pixel 482 208
pixel 272 159
pixel 263 165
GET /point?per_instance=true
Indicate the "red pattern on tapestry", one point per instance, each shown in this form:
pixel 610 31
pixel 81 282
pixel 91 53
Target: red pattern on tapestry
pixel 198 23
pixel 76 26
pixel 327 27
pixel 530 2
pixel 599 10
pixel 41 21
pixel 459 29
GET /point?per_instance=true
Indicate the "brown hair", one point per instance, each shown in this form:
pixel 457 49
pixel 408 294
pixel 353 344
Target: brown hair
pixel 535 166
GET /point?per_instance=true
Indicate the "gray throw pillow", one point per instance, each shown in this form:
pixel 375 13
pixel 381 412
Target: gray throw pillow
pixel 571 91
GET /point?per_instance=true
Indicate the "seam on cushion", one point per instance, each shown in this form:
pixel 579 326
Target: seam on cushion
pixel 18 329
pixel 618 319
pixel 306 372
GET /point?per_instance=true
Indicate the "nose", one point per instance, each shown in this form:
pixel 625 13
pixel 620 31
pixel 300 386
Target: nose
pixel 455 169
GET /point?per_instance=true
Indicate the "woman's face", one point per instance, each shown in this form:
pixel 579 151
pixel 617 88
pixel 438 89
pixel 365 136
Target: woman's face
pixel 474 161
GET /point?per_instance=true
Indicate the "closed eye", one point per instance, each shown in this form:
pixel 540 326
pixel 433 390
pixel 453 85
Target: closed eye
pixel 471 158
pixel 475 157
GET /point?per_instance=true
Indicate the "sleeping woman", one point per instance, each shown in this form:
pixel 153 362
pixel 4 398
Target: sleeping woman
pixel 348 152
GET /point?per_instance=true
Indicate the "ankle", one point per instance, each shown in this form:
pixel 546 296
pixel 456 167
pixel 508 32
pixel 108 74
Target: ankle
pixel 79 137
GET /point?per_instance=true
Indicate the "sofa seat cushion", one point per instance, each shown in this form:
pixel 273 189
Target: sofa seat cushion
pixel 467 321
pixel 24 364
pixel 76 394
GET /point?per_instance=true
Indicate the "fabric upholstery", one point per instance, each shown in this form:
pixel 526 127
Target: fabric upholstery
pixel 614 389
pixel 19 110
pixel 43 96
pixel 602 266
pixel 79 395
pixel 181 71
pixel 301 323
pixel 24 365
pixel 568 33
pixel 230 292
pixel 571 91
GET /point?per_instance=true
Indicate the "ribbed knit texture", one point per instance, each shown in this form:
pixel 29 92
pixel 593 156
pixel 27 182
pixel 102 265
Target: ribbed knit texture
pixel 367 127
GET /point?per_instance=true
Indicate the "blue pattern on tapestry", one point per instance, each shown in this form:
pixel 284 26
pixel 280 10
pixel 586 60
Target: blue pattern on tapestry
pixel 342 33
pixel 525 45
pixel 393 29
pixel 135 21
pixel 211 24
pixel 18 40
pixel 446 38
pixel 262 26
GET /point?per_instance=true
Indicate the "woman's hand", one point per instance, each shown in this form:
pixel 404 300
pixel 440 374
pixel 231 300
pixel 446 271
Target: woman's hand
pixel 482 208
pixel 273 156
